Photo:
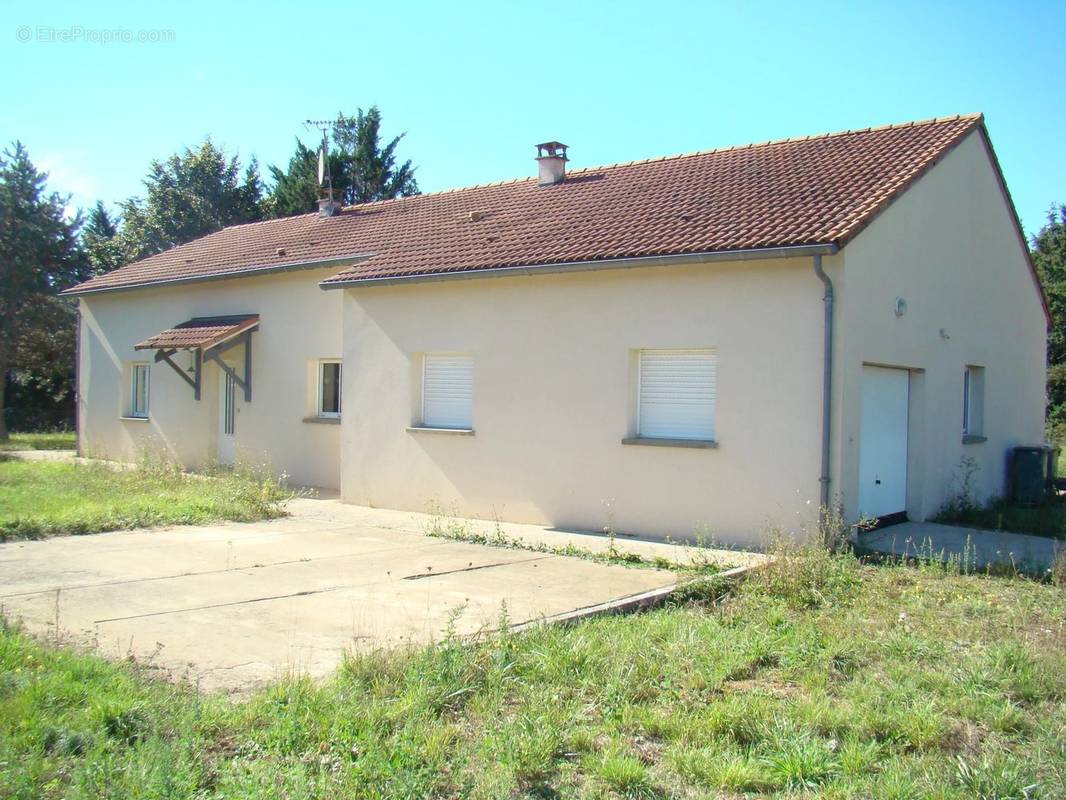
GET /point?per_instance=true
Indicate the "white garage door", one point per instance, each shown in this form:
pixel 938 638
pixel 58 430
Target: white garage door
pixel 883 442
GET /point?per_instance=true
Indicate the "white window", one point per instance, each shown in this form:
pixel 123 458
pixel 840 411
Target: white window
pixel 329 388
pixel 139 374
pixel 447 391
pixel 973 401
pixel 677 394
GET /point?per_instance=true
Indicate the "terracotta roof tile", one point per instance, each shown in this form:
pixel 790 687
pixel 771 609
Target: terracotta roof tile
pixel 809 190
pixel 200 332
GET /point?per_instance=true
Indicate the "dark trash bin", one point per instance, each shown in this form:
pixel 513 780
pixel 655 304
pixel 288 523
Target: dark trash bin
pixel 1029 479
pixel 1052 471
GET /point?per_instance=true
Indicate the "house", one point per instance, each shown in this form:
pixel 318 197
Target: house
pixel 716 341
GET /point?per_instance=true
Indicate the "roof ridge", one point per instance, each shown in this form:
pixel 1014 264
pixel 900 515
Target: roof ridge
pixel 652 159
pixel 452 190
pixel 789 140
pixel 224 228
pixel 256 222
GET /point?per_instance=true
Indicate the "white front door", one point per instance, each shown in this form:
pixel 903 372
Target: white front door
pixel 883 442
pixel 227 417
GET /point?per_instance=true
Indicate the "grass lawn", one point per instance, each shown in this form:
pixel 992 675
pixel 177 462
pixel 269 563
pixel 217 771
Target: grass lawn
pixel 820 678
pixel 40 441
pixel 1046 520
pixel 40 498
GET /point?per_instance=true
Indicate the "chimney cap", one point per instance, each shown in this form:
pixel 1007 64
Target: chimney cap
pixel 552 150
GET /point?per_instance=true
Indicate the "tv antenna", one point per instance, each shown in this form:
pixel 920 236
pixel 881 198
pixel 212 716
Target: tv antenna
pixel 324 175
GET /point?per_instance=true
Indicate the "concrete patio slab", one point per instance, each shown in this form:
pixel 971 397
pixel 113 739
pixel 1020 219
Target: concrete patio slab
pixel 975 548
pixel 531 536
pixel 233 606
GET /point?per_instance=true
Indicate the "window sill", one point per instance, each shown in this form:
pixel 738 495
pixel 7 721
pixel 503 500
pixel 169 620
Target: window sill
pixel 449 431
pixel 969 438
pixel 648 441
pixel 323 420
pixel 133 419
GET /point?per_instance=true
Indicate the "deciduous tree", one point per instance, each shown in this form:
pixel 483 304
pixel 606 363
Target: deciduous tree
pixel 189 195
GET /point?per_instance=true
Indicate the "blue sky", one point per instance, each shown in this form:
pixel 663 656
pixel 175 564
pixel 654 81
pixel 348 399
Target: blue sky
pixel 476 84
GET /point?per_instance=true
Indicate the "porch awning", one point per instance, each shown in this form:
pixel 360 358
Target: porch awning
pixel 207 338
pixel 200 333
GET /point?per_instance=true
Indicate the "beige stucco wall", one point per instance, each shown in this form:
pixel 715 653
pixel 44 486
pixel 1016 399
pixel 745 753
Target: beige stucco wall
pixel 554 395
pixel 299 323
pixel 949 248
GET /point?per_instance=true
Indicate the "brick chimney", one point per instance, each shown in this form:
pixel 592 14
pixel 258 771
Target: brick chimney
pixel 551 163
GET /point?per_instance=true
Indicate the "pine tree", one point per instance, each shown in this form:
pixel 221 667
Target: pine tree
pixel 1049 258
pixel 369 170
pixel 362 169
pixel 98 239
pixel 39 255
pixel 295 189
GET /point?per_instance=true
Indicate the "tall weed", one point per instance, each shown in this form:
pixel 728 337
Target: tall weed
pixel 806 575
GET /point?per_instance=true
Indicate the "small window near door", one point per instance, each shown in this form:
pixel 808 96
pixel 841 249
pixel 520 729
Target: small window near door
pixel 139 376
pixel 329 389
pixel 973 401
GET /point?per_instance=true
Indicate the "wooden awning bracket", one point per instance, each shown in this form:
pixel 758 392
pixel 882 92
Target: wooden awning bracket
pixel 194 382
pixel 213 354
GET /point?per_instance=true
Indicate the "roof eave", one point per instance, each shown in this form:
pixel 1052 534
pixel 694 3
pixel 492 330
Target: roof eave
pixel 267 269
pixel 708 256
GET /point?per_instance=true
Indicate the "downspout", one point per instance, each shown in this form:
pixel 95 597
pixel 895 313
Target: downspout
pixel 77 378
pixel 827 385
